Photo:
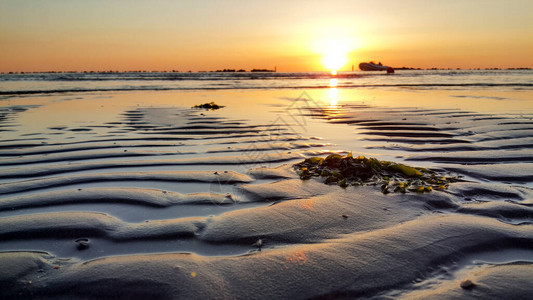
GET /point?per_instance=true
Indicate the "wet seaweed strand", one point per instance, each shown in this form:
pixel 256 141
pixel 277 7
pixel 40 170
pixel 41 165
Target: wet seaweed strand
pixel 392 177
pixel 208 106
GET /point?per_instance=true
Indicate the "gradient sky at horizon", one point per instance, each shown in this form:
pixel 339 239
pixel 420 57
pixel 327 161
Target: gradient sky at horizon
pixel 61 35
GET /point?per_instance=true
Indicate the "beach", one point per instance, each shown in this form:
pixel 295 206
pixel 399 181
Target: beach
pixel 119 187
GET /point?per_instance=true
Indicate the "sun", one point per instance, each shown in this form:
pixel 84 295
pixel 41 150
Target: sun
pixel 334 51
pixel 334 60
pixel 334 47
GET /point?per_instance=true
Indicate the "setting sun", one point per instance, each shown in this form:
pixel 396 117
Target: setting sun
pixel 334 52
pixel 334 60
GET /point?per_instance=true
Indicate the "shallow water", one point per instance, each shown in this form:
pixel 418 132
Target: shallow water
pixel 414 79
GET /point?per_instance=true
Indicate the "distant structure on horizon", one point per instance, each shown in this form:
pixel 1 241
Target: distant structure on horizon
pixel 264 70
pixel 243 70
pixel 372 66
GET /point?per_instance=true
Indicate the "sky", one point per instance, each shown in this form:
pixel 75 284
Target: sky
pixel 78 35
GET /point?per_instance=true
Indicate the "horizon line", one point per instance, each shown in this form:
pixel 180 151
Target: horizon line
pixel 257 70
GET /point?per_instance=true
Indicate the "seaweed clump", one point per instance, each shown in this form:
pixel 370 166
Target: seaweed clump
pixel 208 106
pixel 392 177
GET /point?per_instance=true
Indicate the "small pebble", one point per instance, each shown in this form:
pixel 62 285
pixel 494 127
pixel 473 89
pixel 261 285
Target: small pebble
pixel 259 244
pixel 345 216
pixel 467 284
pixel 216 173
pixel 82 244
pixel 226 172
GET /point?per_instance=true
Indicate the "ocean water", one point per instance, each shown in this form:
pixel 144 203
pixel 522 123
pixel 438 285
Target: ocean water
pixel 32 83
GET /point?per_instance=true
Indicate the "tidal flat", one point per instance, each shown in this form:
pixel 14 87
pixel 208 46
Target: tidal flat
pixel 129 194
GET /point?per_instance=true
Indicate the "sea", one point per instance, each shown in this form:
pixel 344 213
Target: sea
pixel 69 82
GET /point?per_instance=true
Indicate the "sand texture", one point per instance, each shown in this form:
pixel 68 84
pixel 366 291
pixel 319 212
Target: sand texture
pixel 172 202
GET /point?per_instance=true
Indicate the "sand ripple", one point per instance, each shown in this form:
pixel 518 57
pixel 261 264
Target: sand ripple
pixel 185 203
pixel 479 146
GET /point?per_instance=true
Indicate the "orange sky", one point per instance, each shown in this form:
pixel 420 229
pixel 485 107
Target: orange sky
pixel 291 35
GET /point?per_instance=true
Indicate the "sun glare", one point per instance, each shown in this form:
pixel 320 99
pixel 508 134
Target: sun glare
pixel 334 52
pixel 334 60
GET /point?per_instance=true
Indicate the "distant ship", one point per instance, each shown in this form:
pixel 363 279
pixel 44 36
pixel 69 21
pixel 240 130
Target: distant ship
pixel 371 66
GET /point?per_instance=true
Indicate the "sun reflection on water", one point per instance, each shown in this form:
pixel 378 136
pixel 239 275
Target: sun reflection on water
pixel 333 92
pixel 333 97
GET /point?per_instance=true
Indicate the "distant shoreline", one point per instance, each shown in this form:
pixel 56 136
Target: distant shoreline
pixel 256 71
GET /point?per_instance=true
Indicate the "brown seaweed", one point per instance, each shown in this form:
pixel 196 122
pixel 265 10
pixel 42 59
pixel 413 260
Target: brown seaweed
pixel 392 177
pixel 208 106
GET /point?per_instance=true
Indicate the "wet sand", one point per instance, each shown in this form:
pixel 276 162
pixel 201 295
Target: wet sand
pixel 137 194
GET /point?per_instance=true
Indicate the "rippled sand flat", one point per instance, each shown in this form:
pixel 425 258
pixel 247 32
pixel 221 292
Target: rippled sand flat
pixel 139 195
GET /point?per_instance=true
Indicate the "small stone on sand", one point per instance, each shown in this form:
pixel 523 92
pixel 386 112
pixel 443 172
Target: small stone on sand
pixel 467 284
pixel 259 244
pixel 82 244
